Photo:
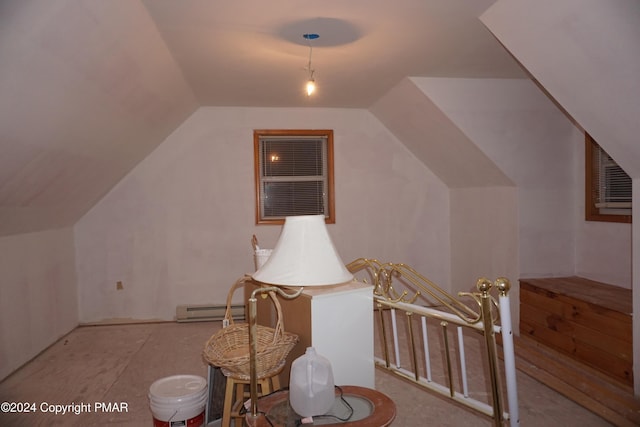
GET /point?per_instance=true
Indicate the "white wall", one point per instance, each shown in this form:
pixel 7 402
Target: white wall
pixel 177 229
pixel 533 142
pixel 516 125
pixel 603 252
pixel 603 249
pixel 585 54
pixel 539 148
pixel 38 295
pixel 521 231
pixel 484 239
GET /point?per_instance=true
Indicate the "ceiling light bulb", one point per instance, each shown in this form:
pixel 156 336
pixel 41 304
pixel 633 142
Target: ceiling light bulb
pixel 311 87
pixel 311 83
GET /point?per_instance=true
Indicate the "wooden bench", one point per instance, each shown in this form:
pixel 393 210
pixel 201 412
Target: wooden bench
pixel 584 319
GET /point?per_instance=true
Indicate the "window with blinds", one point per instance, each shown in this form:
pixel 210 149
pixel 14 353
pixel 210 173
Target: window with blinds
pixel 608 186
pixel 294 174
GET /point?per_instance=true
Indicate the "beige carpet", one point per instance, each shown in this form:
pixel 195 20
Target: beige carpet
pixel 118 364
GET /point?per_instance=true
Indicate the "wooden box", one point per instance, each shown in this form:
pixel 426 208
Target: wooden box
pixel 587 320
pixel 337 321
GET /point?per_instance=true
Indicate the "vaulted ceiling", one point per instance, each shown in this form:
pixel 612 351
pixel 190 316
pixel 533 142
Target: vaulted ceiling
pixel 254 53
pixel 89 87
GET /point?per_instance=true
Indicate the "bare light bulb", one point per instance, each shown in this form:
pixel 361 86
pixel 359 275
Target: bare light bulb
pixel 311 87
pixel 311 83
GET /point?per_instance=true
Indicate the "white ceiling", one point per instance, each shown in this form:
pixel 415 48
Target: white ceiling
pixel 254 52
pixel 89 87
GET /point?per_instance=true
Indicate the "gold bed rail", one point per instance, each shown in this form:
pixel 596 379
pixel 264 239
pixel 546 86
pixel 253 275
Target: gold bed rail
pixel 481 317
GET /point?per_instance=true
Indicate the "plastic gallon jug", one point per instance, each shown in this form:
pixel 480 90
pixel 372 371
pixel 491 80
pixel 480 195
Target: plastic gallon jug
pixel 311 386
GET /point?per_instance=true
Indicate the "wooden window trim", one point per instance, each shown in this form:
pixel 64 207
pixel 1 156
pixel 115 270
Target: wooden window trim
pixel 328 133
pixel 592 213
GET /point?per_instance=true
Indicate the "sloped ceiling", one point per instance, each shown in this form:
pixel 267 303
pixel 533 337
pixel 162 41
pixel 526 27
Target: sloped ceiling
pixel 434 139
pixel 586 54
pixel 89 87
pixel 254 53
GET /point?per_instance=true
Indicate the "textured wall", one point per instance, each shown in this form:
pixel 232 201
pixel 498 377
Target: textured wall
pixel 177 229
pixel 38 294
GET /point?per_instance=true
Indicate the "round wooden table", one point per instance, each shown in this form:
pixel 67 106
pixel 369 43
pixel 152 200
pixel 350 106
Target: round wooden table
pixel 370 408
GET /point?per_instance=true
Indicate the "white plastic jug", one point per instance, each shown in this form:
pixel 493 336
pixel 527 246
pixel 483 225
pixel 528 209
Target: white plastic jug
pixel 311 386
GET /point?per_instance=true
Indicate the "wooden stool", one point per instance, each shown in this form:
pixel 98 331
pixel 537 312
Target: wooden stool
pixel 237 392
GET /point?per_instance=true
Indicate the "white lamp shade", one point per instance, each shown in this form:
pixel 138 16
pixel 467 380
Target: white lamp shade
pixel 304 256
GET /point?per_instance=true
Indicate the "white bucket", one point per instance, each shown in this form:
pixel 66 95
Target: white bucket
pixel 178 401
pixel 261 256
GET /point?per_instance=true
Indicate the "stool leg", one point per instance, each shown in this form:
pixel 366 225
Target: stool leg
pixel 235 396
pixel 264 387
pixel 228 402
pixel 239 401
pixel 275 383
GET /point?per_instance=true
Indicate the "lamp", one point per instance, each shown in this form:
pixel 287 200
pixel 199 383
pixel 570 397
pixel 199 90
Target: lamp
pixel 311 83
pixel 304 256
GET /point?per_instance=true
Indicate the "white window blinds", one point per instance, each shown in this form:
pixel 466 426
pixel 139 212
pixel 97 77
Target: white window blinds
pixel 293 176
pixel 613 183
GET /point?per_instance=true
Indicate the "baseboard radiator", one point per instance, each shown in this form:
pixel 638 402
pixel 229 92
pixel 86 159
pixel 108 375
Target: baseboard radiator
pixel 207 312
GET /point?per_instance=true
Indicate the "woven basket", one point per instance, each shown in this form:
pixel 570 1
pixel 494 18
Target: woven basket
pixel 229 347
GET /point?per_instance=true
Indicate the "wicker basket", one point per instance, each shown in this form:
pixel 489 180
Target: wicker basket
pixel 229 347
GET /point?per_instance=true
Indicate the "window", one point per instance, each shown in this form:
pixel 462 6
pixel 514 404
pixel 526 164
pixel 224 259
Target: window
pixel 608 187
pixel 294 174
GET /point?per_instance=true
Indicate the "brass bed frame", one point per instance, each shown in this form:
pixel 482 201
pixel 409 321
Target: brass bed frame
pixel 426 301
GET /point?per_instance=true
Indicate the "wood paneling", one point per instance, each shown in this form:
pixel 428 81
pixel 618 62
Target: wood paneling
pixel 587 320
